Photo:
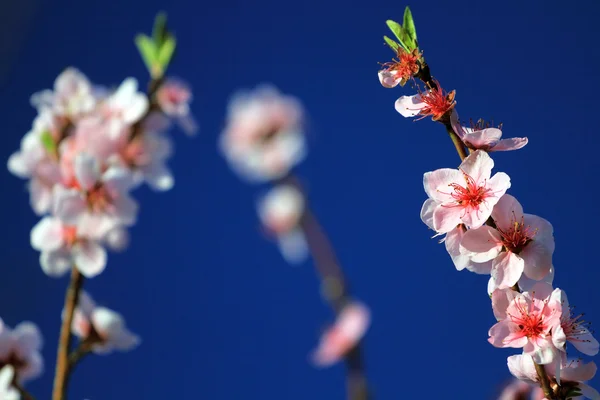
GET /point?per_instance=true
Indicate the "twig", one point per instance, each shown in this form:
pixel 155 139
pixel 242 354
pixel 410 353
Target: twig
pixel 62 361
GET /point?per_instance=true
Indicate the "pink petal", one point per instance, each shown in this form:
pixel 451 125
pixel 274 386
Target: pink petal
pixel 510 144
pixel 481 244
pixel 437 183
pixel 117 180
pixel 506 211
pixel 537 259
pixel 56 263
pixel 478 165
pixel 47 235
pixel 409 106
pixel 585 342
pixel 522 367
pixel 500 301
pixel 388 79
pixel 484 268
pixel 559 339
pixel 500 332
pixel 89 257
pixel 580 372
pixel 87 170
pixel 452 243
pixel 125 210
pixel 507 269
pixel 40 196
pixel 499 184
pixel 446 218
pixel 29 338
pixel 483 139
pixel 427 212
pixel 69 205
pixel 589 392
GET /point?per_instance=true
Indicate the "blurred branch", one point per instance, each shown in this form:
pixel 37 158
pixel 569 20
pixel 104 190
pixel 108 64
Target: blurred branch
pixel 335 290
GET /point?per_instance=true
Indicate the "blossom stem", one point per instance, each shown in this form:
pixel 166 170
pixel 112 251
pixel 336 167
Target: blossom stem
pixel 335 291
pixel 62 359
pixel 544 381
pixel 458 144
pixel 25 395
pixel 137 128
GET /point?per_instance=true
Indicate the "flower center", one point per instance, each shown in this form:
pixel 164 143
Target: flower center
pixel 471 195
pixel 69 234
pixel 517 236
pixel 529 320
pixel 405 65
pixel 481 124
pixel 98 198
pixel 437 102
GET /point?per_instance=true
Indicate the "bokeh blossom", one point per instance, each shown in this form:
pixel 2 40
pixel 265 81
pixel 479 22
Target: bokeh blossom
pixel 20 347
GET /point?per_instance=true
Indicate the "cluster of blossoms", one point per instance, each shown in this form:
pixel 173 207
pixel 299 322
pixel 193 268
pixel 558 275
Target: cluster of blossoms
pixel 487 232
pixel 263 141
pixel 89 147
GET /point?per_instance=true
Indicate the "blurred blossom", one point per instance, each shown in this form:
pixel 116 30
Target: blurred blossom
pixel 7 390
pixel 20 348
pixel 349 328
pixel 263 139
pixel 103 328
pixel 280 211
pixel 174 99
pixel 63 246
pixel 88 148
pixel 516 390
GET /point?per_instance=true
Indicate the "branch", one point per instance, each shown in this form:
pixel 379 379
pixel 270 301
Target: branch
pixel 61 376
pixel 336 293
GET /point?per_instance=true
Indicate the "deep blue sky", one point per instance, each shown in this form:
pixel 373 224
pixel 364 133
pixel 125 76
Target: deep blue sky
pixel 221 315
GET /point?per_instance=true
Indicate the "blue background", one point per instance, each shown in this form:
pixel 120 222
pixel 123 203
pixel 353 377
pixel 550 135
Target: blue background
pixel 220 313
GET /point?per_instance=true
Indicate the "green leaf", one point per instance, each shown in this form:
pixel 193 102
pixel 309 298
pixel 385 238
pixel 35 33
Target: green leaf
pixel 409 27
pixel 398 31
pixel 159 32
pixel 48 142
pixel 147 50
pixel 166 52
pixel 393 45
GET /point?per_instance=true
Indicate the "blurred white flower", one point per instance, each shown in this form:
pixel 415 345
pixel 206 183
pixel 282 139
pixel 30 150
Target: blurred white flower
pixel 20 348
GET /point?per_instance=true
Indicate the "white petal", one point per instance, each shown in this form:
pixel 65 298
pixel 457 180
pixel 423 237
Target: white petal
pixel 56 263
pixel 47 235
pixel 159 177
pixel 478 165
pixel 69 205
pixel 89 257
pixel 87 170
pixel 29 337
pixel 409 106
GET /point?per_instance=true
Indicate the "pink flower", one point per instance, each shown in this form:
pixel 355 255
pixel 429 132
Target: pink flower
pixel 527 320
pixel 7 390
pixel 280 211
pixel 574 330
pixel 125 106
pixel 435 103
pixel 98 194
pixel 263 138
pixel 466 195
pixel 572 375
pixel 400 69
pixel 520 243
pixel 20 347
pixel 34 163
pixel 174 99
pixel 64 246
pixel 516 390
pixel 102 327
pixel 481 136
pixel 73 95
pixel 349 328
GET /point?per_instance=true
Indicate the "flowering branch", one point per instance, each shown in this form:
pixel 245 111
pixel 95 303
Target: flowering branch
pixel 263 141
pixel 487 232
pixel 64 344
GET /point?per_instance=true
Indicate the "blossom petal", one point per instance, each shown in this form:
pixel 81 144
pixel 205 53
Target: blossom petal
pixel 427 212
pixel 388 79
pixel 506 211
pixel 522 367
pixel 409 106
pixel 507 269
pixel 89 257
pixel 483 139
pixel 69 205
pixel 589 392
pixel 537 259
pixel 481 244
pixel 510 144
pixel 478 165
pixel 56 263
pixel 446 218
pixel 87 170
pixel 159 177
pixel 500 301
pixel 437 183
pixel 47 235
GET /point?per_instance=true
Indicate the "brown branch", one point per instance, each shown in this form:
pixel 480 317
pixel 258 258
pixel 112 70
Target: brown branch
pixel 25 395
pixel 61 376
pixel 335 290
